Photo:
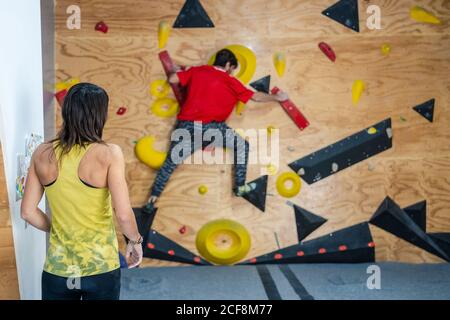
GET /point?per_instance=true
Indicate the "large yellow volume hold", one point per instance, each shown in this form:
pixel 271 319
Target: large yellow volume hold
pixel 163 33
pixel 421 15
pixel 223 241
pixel 357 90
pixel 147 154
pixel 279 62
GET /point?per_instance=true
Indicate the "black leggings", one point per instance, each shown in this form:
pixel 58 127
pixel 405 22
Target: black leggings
pixel 105 286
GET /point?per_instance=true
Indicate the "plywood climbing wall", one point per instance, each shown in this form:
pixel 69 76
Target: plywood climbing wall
pixel 124 61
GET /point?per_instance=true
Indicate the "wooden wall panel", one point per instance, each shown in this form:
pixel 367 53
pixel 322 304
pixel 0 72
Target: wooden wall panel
pixel 9 287
pixel 125 61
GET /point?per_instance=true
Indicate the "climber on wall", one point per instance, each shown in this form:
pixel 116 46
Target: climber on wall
pixel 212 94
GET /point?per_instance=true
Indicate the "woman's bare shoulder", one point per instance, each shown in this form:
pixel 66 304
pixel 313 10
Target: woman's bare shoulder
pixel 44 150
pixel 108 152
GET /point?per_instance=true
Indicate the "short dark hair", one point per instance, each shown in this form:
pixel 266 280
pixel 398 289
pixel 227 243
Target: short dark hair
pixel 224 56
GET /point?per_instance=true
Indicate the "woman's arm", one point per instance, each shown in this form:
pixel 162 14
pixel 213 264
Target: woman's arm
pixel 29 210
pixel 124 213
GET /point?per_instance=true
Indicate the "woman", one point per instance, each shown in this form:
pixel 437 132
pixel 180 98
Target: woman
pixel 80 175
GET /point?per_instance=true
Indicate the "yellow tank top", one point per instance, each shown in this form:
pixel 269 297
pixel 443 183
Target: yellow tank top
pixel 83 239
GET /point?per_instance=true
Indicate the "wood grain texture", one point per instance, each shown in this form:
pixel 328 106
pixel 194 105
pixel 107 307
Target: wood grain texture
pixel 124 61
pixel 9 286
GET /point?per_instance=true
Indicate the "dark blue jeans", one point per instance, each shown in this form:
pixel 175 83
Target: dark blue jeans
pixel 105 286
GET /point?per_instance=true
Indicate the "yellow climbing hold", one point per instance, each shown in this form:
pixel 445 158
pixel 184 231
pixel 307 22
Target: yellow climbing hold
pixel 66 85
pixel 163 33
pixel 372 130
pixel 271 169
pixel 159 88
pixel 147 154
pixel 270 130
pixel 246 59
pixel 165 107
pixel 202 189
pixel 279 61
pixel 421 15
pixel 240 107
pixel 386 49
pixel 287 191
pixel 357 90
pixel 223 241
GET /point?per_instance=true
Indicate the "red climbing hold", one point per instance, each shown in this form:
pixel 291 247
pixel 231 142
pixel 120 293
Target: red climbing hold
pixel 278 256
pixel 197 260
pixel 253 260
pixel 322 250
pixel 171 252
pixel 60 95
pixel 300 253
pixel 326 49
pixel 182 230
pixel 293 112
pixel 151 246
pixel 342 248
pixel 371 244
pixel 121 111
pixel 101 26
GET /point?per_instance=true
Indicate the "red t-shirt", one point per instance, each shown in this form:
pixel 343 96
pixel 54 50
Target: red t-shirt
pixel 212 94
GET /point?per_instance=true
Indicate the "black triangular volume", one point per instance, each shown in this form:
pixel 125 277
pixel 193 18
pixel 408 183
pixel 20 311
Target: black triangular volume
pixel 257 196
pixel 353 244
pixel 144 222
pixel 391 218
pixel 307 222
pixel 426 109
pixel 162 248
pixel 262 85
pixel 345 12
pixel 442 240
pixel 193 15
pixel 418 213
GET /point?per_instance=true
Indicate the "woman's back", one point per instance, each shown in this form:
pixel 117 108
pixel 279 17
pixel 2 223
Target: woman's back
pixel 82 239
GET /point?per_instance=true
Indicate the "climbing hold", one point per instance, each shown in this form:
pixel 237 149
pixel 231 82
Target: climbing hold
pixel 182 230
pixel 202 189
pixel 101 26
pixel 193 15
pixel 146 154
pixel 421 15
pixel 258 193
pixel 246 59
pixel 345 12
pixel 306 221
pixel 163 34
pixel 60 95
pixel 326 49
pixel 223 241
pixel 357 90
pixel 240 107
pixel 334 167
pixel 270 130
pixel 294 189
pixel 271 169
pixel 279 61
pixel 159 88
pixel 67 84
pixel 372 130
pixel 293 112
pixel 426 109
pixel 165 107
pixel 261 85
pixel 386 49
pixel 121 111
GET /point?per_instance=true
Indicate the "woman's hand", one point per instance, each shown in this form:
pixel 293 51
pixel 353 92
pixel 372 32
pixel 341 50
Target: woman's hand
pixel 133 255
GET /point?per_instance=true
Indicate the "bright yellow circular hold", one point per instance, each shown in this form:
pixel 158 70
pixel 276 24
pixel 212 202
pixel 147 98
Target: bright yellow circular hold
pixel 288 192
pixel 271 170
pixel 202 189
pixel 146 154
pixel 386 49
pixel 223 241
pixel 159 88
pixel 372 130
pixel 246 59
pixel 165 107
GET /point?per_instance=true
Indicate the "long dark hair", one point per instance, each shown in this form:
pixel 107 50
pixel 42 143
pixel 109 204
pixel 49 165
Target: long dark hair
pixel 84 114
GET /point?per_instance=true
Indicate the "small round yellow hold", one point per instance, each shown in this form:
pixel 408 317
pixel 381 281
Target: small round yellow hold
pixel 159 88
pixel 386 49
pixel 372 130
pixel 271 170
pixel 202 189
